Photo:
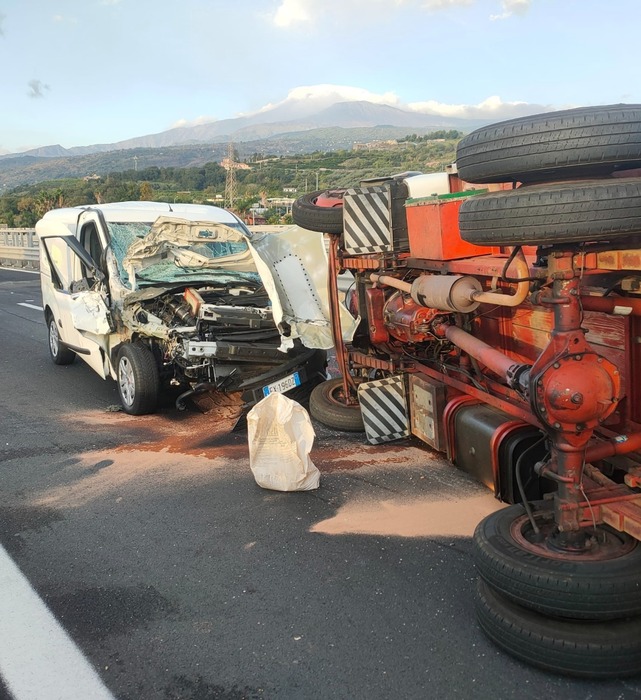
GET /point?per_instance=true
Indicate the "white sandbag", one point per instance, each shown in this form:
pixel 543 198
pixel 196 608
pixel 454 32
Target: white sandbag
pixel 281 435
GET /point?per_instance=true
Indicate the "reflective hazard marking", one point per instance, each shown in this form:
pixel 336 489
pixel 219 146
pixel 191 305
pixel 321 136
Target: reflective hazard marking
pixel 384 409
pixel 38 660
pixel 366 220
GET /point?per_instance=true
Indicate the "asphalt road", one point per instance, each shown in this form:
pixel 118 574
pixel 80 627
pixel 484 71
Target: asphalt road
pixel 173 575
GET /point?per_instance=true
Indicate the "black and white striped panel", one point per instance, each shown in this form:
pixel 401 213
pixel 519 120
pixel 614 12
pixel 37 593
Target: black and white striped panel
pixel 384 409
pixel 366 220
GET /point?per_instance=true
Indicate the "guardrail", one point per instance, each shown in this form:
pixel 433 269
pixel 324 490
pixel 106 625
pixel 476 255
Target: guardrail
pixel 19 248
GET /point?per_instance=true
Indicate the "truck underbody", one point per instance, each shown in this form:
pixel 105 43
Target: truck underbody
pixel 500 323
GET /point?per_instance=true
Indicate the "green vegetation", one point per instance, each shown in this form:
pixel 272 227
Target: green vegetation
pixel 267 176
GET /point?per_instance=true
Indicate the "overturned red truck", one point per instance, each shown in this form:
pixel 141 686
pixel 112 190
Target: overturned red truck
pixel 500 322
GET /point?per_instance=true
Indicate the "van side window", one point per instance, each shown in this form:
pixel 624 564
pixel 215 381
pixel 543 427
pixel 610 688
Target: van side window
pixel 60 261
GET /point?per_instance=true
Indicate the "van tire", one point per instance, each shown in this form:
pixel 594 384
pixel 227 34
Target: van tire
pixel 137 379
pixel 59 352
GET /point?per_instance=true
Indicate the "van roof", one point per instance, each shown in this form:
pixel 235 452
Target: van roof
pixel 142 211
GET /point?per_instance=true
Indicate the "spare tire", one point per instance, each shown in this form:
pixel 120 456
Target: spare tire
pixel 591 210
pixel 307 214
pixel 584 142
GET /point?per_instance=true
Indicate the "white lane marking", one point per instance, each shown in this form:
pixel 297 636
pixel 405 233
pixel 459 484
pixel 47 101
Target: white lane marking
pixel 38 659
pixel 30 306
pixel 21 269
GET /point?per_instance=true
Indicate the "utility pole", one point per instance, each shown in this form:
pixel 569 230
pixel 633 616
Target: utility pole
pixel 230 180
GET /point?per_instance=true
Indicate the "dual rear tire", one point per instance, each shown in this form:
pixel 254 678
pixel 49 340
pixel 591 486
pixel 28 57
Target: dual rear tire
pixel 576 614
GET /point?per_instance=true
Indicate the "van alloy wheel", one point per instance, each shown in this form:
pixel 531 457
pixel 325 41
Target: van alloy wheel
pixel 138 381
pixel 60 354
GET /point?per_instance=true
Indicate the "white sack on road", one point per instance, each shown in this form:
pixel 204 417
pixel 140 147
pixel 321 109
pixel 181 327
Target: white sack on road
pixel 281 435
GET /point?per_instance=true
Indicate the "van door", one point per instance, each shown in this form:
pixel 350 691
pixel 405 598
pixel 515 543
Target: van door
pixel 79 301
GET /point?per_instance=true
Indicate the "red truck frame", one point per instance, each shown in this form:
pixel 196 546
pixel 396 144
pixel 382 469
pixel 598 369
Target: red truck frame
pixel 501 324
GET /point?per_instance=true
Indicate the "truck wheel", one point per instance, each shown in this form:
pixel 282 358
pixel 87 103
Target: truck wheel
pixel 553 146
pixel 593 210
pixel 603 583
pixel 308 214
pixel 137 377
pixel 60 354
pixel 327 406
pixel 596 650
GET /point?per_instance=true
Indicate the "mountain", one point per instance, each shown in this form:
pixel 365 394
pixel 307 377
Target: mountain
pixel 301 125
pixel 264 124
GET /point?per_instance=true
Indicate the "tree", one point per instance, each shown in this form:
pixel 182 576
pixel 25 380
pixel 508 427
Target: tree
pixel 146 192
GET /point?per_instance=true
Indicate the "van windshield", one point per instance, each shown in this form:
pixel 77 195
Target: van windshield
pixel 201 260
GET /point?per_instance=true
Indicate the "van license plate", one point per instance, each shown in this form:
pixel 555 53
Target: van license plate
pixel 284 384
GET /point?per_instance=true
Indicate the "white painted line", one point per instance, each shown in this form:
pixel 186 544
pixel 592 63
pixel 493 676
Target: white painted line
pixel 30 306
pixel 38 659
pixel 21 269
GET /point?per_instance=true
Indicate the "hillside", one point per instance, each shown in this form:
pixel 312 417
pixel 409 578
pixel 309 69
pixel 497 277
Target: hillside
pixel 29 169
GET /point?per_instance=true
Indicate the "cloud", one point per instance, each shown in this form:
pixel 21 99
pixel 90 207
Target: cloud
pixel 37 88
pixel 490 108
pixel 331 94
pixel 61 18
pixel 2 19
pixel 291 12
pixel 192 122
pixel 444 4
pixel 311 98
pixel 512 7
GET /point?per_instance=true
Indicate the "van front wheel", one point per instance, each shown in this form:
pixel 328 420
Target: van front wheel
pixel 138 381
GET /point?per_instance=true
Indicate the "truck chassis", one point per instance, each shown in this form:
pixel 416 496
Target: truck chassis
pixel 501 324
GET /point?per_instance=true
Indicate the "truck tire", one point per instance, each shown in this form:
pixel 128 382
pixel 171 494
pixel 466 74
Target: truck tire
pixel 59 352
pixel 326 406
pixel 571 143
pixel 308 215
pixel 137 379
pixel 597 650
pixel 604 585
pixel 575 212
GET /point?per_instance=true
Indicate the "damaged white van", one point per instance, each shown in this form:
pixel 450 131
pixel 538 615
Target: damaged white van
pixel 152 294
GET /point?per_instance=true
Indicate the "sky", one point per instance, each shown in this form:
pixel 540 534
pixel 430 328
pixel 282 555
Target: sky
pixel 83 72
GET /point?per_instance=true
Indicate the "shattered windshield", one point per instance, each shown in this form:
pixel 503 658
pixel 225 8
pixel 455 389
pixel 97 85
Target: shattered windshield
pixel 201 260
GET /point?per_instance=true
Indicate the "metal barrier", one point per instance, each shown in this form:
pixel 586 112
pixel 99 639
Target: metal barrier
pixel 19 248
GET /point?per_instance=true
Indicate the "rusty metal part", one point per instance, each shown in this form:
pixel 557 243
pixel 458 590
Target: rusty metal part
pixel 500 364
pixel 572 390
pixel 375 304
pixel 520 293
pixel 349 387
pixel 620 306
pixel 600 544
pixel 442 292
pixel 407 321
pixel 462 293
pixel 446 292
